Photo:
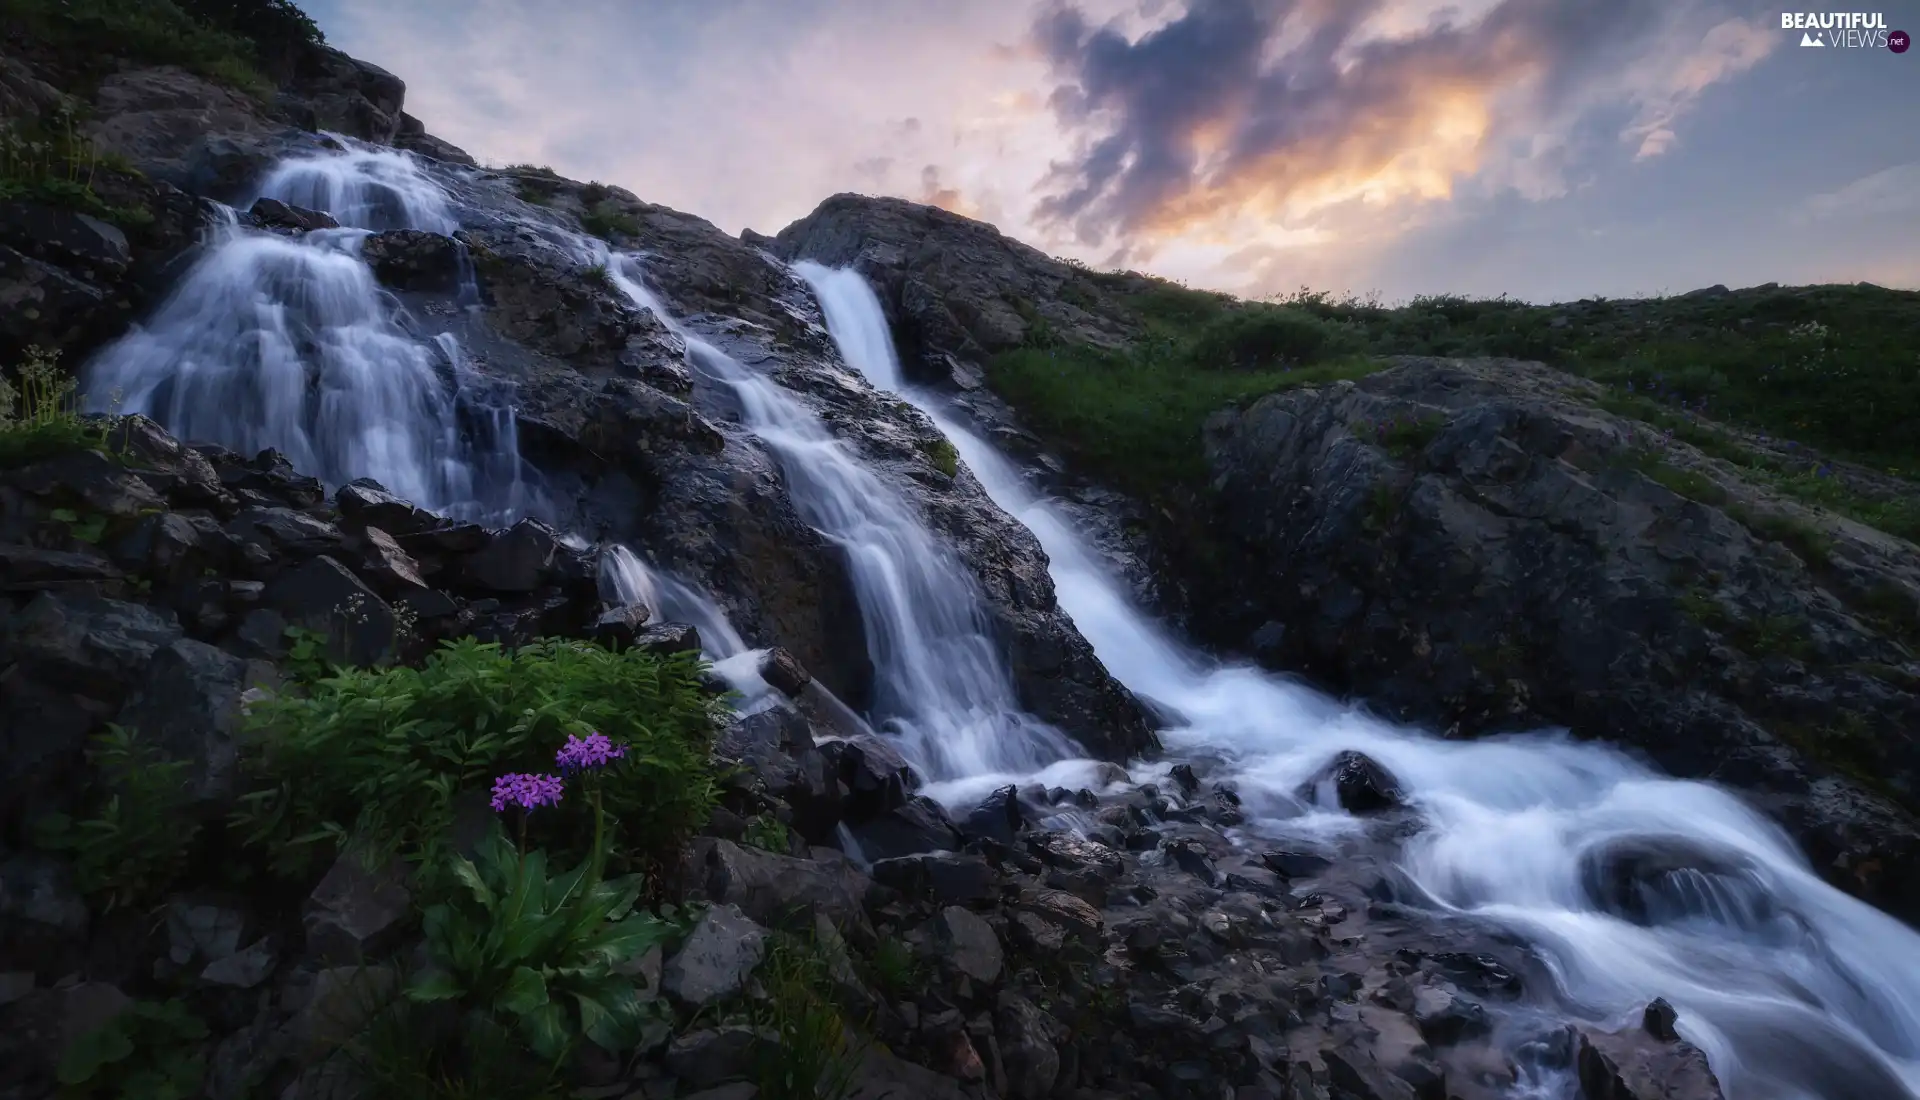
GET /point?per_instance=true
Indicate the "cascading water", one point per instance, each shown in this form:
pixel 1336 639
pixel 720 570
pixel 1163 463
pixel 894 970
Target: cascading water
pixel 290 343
pixel 941 686
pixel 1632 885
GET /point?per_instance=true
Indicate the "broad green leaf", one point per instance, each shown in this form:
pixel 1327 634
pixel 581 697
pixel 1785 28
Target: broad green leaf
pixel 526 991
pixel 546 1031
pixel 434 985
pixel 102 1046
pixel 468 875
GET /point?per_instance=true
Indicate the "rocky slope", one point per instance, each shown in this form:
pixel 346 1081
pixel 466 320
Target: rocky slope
pixel 1477 546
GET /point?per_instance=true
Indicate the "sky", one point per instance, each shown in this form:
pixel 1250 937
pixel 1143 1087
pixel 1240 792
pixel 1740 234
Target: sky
pixel 1545 149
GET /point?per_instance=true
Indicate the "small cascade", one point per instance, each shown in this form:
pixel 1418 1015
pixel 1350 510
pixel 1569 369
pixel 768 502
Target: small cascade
pixel 941 685
pixel 625 579
pixel 290 343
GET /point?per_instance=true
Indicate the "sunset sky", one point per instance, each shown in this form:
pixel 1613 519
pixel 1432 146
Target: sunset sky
pixel 1547 149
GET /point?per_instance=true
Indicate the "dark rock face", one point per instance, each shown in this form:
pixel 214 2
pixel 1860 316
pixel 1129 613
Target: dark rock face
pixel 1517 571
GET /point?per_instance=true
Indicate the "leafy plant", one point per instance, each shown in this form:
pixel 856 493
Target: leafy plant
pixel 768 833
pixel 376 758
pixel 942 454
pixel 89 529
pixel 542 951
pixel 814 1056
pixel 41 417
pixel 136 841
pixel 150 1051
pixel 607 221
pixel 93 34
pixel 895 968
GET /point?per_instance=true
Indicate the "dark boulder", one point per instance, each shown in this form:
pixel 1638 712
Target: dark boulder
pixel 274 214
pixel 1358 783
pixel 412 259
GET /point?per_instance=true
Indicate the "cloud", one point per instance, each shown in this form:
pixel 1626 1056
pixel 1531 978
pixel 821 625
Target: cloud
pixel 1888 192
pixel 1241 113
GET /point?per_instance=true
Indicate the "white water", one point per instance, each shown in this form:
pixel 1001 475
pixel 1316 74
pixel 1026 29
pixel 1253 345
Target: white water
pixel 1794 989
pixel 941 686
pixel 290 343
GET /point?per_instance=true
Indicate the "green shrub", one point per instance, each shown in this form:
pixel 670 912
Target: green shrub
pixel 150 1051
pixel 95 34
pixel 769 834
pixel 41 417
pixel 376 758
pixel 815 1056
pixel 895 968
pixel 942 454
pixel 1257 338
pixel 136 840
pixel 546 953
pixel 608 221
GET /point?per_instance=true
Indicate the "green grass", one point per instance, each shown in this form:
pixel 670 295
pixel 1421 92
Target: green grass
pixel 224 41
pixel 40 415
pixel 608 221
pixel 817 1053
pixel 50 161
pixel 942 454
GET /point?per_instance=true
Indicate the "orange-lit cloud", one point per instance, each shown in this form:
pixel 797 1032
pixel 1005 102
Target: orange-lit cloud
pixel 1276 112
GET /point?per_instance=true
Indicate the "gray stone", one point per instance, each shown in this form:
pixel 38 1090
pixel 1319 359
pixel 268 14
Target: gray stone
pixel 336 1008
pixel 198 930
pixel 713 1056
pixel 968 943
pixel 39 889
pixel 325 597
pixel 516 560
pixel 364 503
pixel 1026 1038
pixel 243 969
pixel 782 891
pixel 354 913
pixel 717 959
pixel 189 709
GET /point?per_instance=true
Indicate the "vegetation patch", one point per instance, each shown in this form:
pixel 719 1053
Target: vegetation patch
pixel 607 221
pixel 815 1054
pixel 1403 437
pixel 942 454
pixel 376 760
pixel 40 415
pixel 226 41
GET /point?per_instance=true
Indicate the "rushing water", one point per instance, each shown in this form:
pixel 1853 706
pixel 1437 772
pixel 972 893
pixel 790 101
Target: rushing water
pixel 941 685
pixel 290 343
pixel 1632 884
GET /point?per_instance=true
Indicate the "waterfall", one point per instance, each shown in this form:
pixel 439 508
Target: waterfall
pixel 1793 988
pixel 941 685
pixel 290 343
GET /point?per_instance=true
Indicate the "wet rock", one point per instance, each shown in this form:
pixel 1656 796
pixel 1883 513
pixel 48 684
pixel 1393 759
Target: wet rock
pixel 1065 910
pixel 335 1008
pixel 717 959
pixel 188 707
pixel 618 627
pixel 246 968
pixel 783 672
pixel 1659 1020
pixel 1026 1039
pixel 967 943
pixel 945 878
pixel 355 912
pixel 326 598
pixel 393 568
pixel 517 560
pixel 1295 864
pixel 274 214
pixel 411 259
pixel 364 503
pixel 920 825
pixel 66 238
pixel 709 1057
pixel 668 638
pixel 30 569
pixel 877 778
pixel 89 482
pixel 1354 1070
pixel 998 819
pixel 1359 783
pixel 202 931
pixel 778 891
pixel 1444 1017
pixel 1613 1067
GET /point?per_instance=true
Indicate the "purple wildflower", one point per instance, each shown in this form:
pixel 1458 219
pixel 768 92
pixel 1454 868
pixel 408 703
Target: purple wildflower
pixel 592 751
pixel 526 791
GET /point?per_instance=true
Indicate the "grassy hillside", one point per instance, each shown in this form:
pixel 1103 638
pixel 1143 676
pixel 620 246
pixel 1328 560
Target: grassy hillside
pixel 1832 368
